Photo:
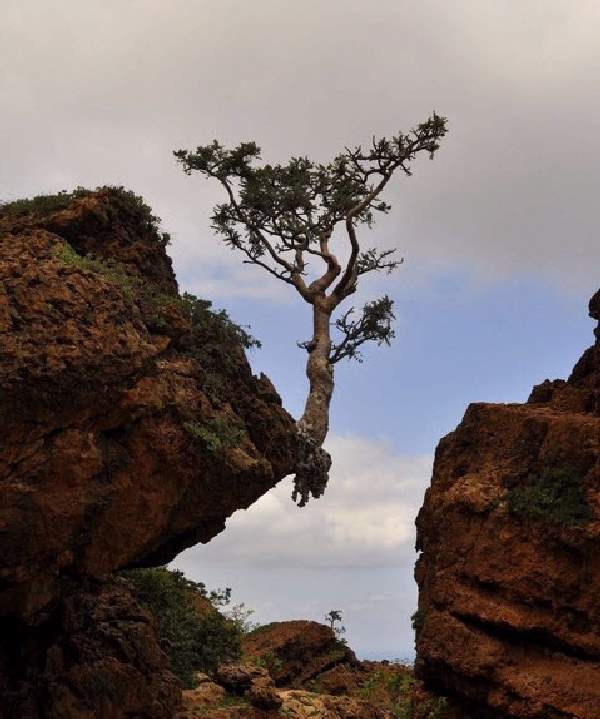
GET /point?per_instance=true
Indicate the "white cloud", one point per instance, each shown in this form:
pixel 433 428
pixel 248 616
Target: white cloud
pixel 365 519
pixel 352 549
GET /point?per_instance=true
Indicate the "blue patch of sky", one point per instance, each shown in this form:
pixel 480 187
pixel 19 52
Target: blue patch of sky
pixel 456 342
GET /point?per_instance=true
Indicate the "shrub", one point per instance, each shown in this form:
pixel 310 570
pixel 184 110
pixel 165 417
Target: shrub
pixel 126 199
pixel 417 620
pixel 39 203
pixel 111 270
pixel 395 689
pixel 217 434
pixel 193 641
pixel 215 324
pixel 557 496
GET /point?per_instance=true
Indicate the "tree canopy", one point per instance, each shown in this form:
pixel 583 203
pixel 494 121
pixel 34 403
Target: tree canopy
pixel 283 218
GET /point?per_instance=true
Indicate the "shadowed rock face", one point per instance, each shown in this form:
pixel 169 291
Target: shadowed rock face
pixel 97 657
pixel 509 575
pixel 129 432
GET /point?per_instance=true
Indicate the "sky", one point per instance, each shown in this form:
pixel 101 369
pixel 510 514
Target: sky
pixel 499 232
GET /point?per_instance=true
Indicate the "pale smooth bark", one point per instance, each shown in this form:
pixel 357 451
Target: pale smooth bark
pixel 315 419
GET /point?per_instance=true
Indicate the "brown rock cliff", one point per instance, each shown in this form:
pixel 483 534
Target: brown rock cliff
pixel 131 425
pixel 509 575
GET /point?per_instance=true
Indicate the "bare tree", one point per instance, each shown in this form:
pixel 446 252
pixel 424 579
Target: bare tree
pixel 282 216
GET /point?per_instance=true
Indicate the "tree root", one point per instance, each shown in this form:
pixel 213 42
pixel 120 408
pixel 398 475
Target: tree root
pixel 312 469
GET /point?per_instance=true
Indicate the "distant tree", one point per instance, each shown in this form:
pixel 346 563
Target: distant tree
pixel 282 216
pixel 334 619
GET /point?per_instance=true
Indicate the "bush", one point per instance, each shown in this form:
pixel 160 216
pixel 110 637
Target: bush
pixel 557 496
pixel 194 641
pixel 126 199
pixel 394 688
pixel 40 203
pixel 109 269
pixel 215 324
pixel 417 620
pixel 217 434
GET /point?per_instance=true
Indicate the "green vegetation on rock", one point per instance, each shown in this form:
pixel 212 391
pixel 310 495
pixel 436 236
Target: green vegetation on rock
pixel 394 687
pixel 109 269
pixel 120 197
pixel 216 324
pixel 417 620
pixel 557 496
pixel 40 203
pixel 194 640
pixel 216 434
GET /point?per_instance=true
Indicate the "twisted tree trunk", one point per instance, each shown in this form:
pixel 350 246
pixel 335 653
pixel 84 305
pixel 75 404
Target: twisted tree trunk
pixel 315 419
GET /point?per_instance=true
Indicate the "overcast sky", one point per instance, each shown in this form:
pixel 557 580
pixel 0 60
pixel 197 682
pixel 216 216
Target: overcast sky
pixel 499 232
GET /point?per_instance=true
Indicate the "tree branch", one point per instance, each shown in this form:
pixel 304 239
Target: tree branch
pixel 373 325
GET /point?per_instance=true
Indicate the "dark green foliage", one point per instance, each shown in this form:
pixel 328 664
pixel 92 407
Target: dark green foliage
pixel 40 203
pixel 299 201
pixel 374 325
pixel 557 496
pixel 334 619
pixel 269 661
pixel 119 196
pixel 217 434
pixel 214 325
pixel 417 620
pixel 192 641
pixel 112 270
pixel 283 217
pixel 214 342
pixel 395 689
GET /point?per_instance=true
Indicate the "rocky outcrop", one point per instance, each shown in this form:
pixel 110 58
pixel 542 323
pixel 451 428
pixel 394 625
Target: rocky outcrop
pixel 509 574
pixel 98 656
pixel 362 690
pixel 131 423
pixel 297 651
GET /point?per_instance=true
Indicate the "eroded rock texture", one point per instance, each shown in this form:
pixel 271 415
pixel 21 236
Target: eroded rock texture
pixel 131 424
pixel 96 656
pixel 509 575
pixel 297 651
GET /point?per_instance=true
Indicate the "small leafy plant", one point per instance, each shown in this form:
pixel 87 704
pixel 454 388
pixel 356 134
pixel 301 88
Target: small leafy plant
pixel 111 270
pixel 217 434
pixel 417 620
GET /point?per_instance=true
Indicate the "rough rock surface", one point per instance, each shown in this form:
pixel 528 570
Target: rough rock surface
pixel 97 657
pixel 297 651
pixel 250 681
pixel 130 428
pixel 509 574
pixel 368 690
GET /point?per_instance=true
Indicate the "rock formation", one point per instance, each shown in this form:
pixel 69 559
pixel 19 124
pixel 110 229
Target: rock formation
pixel 509 575
pixel 300 670
pixel 132 427
pixel 297 651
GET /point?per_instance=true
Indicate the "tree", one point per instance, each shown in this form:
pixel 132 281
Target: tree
pixel 282 216
pixel 333 618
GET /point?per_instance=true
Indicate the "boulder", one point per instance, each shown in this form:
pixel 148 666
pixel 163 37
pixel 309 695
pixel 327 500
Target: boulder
pixel 296 651
pixel 509 572
pixel 132 425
